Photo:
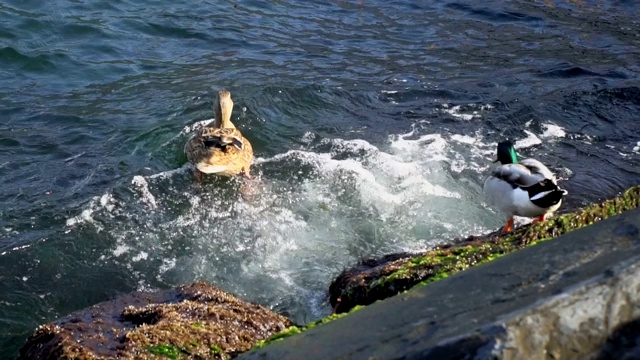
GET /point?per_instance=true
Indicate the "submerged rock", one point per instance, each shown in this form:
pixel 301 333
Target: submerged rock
pixel 377 279
pixel 194 321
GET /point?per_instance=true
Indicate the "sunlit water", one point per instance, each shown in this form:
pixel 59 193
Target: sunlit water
pixel 373 125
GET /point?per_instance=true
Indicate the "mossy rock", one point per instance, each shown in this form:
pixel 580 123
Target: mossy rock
pixel 196 321
pixel 293 330
pixel 376 279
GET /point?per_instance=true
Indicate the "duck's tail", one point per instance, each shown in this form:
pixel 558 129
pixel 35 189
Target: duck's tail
pixel 545 193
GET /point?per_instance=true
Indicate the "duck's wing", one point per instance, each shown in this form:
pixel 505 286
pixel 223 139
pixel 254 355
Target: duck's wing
pixel 213 137
pixel 538 169
pixel 516 175
pixel 195 149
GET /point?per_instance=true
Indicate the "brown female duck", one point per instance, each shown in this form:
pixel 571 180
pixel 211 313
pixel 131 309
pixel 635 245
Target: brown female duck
pixel 220 148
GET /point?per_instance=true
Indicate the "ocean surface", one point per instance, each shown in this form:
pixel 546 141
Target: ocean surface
pixel 373 124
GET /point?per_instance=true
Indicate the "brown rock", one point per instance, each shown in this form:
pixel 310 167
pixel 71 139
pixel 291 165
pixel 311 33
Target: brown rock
pixel 194 321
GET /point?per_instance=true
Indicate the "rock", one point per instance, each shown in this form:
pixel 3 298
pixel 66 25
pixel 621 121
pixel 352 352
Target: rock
pixel 363 273
pixel 377 279
pixel 194 321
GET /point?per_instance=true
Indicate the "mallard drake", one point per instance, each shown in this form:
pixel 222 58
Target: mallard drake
pixel 220 148
pixel 526 188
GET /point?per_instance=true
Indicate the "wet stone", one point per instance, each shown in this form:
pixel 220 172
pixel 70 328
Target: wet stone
pixel 626 229
pixel 195 321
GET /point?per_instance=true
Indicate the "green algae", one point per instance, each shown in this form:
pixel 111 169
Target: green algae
pixel 178 352
pixel 293 330
pixel 166 350
pixel 421 269
pixel 217 352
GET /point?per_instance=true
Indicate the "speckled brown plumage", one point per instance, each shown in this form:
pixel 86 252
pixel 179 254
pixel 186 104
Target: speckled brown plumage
pixel 220 148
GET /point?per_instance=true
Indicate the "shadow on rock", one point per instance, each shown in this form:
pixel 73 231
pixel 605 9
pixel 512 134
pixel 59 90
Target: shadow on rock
pixel 623 344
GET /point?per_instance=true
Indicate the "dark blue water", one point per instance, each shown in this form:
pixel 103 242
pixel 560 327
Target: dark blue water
pixel 373 124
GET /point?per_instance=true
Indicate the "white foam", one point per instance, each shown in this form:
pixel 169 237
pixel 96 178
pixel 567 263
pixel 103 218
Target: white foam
pixel 429 148
pixel 550 131
pixel 143 186
pixel 143 255
pixel 106 202
pixel 189 129
pixel 474 111
pixel 167 264
pixel 121 249
pixel 170 173
pixel 308 137
pixel 465 139
pixel 553 131
pixel 531 140
pixel 196 126
pixel 637 147
pixel 455 112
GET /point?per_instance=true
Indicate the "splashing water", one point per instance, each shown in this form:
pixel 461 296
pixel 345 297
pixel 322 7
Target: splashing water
pixel 280 239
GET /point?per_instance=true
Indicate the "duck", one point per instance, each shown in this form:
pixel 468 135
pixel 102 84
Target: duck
pixel 521 188
pixel 220 148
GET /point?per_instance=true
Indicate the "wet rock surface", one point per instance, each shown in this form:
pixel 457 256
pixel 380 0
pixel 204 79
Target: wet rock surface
pixel 196 321
pixel 573 297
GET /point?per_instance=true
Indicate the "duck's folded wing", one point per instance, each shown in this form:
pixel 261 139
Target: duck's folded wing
pixel 536 167
pixel 222 137
pixel 515 174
